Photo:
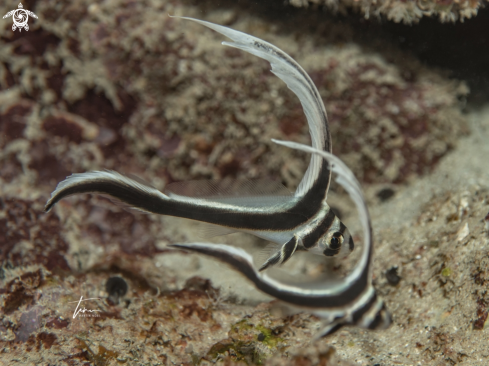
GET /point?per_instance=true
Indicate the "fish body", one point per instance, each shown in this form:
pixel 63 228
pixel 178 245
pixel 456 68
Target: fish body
pixel 299 221
pixel 351 300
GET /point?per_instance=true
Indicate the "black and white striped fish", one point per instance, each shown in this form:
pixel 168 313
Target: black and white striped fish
pixel 349 301
pixel 302 221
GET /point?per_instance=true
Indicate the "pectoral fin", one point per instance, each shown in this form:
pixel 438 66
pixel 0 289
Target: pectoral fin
pixel 283 254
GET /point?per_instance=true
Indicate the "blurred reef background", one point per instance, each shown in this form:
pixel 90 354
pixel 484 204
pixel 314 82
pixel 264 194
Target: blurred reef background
pixel 120 85
pixel 407 12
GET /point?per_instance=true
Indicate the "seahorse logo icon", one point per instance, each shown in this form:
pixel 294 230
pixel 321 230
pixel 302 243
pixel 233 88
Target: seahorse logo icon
pixel 20 17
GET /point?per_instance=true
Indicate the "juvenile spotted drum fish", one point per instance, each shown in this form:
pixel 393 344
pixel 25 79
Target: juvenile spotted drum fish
pixel 351 300
pixel 300 221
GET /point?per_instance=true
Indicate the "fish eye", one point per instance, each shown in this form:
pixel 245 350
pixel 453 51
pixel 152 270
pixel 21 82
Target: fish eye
pixel 336 241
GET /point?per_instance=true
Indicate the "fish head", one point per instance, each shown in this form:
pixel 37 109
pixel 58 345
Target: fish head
pixel 335 242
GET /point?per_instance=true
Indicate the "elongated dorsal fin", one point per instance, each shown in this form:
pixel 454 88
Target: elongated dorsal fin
pixel 297 80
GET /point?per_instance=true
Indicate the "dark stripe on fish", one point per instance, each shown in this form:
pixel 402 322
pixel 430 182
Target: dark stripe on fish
pixel 284 220
pixel 311 239
pixel 359 313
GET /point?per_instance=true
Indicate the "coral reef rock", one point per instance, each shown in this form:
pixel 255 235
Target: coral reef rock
pixel 408 12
